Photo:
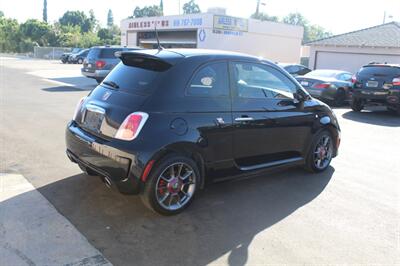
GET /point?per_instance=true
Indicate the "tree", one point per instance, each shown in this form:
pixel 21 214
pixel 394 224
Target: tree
pixel 147 11
pixel 311 32
pixel 295 19
pixel 35 30
pixel 162 5
pixel 110 18
pixel 110 35
pixel 191 8
pixel 79 18
pixel 265 17
pixel 9 35
pixel 45 11
pixel 1 14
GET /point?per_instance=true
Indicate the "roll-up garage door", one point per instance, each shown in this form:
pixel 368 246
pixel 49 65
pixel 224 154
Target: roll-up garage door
pixel 351 62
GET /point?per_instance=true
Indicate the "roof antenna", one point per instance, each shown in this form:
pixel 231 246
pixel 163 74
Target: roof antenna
pixel 159 47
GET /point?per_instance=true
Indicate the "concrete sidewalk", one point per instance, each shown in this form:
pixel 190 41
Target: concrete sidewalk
pixel 32 232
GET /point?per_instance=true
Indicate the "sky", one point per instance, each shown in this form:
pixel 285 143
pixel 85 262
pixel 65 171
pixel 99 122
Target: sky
pixel 338 16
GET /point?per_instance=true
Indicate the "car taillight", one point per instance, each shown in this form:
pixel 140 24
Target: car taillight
pixel 396 81
pixel 353 79
pixel 100 64
pixel 78 108
pixel 322 86
pixel 131 126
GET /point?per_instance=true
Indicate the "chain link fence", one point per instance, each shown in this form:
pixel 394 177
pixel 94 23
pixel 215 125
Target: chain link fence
pixel 50 53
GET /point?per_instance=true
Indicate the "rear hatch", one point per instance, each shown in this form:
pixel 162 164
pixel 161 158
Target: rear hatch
pixel 122 92
pixel 376 80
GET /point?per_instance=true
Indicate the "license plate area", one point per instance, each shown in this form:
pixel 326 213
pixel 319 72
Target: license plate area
pixel 372 84
pixel 93 118
pixel 304 83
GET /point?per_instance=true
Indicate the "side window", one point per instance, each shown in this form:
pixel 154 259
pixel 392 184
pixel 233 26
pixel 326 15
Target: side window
pixel 210 80
pixel 346 77
pixel 109 52
pixel 261 81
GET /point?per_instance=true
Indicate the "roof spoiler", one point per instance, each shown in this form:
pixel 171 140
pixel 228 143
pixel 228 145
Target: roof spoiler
pixel 142 60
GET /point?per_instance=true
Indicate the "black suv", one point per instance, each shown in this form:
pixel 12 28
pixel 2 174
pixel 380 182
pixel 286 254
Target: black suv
pixel 377 84
pixel 164 123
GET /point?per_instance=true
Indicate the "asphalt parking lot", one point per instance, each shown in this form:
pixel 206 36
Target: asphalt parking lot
pixel 347 215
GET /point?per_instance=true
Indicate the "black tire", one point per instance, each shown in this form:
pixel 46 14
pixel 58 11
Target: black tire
pixel 394 110
pixel 151 188
pixel 340 97
pixel 357 105
pixel 311 164
pixel 80 61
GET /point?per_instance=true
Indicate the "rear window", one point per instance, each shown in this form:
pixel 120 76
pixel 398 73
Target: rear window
pixel 93 53
pixel 380 71
pixel 132 79
pixel 109 52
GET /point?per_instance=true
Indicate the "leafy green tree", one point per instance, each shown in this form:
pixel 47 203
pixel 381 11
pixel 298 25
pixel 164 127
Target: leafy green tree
pixel 110 35
pixel 191 8
pixel 79 18
pixel 110 18
pixel 35 30
pixel 45 10
pixel 265 17
pixel 1 14
pixel 311 32
pixel 147 11
pixel 9 35
pixel 295 19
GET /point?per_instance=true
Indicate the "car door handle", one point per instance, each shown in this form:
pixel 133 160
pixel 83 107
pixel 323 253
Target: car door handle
pixel 244 119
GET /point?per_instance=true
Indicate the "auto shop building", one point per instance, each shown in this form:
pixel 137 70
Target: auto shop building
pixel 274 41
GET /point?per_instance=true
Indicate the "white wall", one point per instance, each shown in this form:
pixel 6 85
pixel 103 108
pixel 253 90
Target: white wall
pixel 350 58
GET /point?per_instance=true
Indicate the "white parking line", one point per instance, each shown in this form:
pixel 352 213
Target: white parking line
pixel 32 232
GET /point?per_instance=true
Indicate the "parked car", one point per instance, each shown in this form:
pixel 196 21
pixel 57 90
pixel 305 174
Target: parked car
pixel 377 84
pixel 100 61
pixel 164 123
pixel 328 85
pixel 78 58
pixel 65 56
pixel 295 69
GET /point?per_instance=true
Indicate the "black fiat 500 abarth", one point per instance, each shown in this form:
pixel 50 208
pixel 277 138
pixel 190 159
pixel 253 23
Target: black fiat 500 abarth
pixel 164 123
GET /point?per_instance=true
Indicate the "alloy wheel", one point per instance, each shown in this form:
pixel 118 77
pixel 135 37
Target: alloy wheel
pixel 175 186
pixel 323 152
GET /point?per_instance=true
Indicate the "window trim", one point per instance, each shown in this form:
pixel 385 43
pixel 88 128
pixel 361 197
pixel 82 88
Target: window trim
pixel 201 66
pixel 234 91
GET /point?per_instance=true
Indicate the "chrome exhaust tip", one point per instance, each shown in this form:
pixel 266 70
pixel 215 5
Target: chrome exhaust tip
pixel 107 182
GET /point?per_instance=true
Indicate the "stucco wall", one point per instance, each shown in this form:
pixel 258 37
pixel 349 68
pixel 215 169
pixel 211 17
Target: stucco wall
pixel 352 58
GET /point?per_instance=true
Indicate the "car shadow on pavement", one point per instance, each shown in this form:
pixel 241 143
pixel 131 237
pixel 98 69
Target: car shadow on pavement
pixel 65 89
pixel 222 221
pixel 379 117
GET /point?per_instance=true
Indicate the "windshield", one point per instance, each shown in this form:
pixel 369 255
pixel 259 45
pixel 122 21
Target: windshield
pixel 322 73
pixel 131 79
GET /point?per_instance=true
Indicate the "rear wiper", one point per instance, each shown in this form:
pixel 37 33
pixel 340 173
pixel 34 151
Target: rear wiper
pixel 111 84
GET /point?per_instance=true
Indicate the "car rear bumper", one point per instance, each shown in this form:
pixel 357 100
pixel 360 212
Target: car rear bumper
pixel 95 74
pixel 389 98
pixel 102 158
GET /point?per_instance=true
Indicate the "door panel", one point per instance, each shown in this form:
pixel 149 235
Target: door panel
pixel 269 124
